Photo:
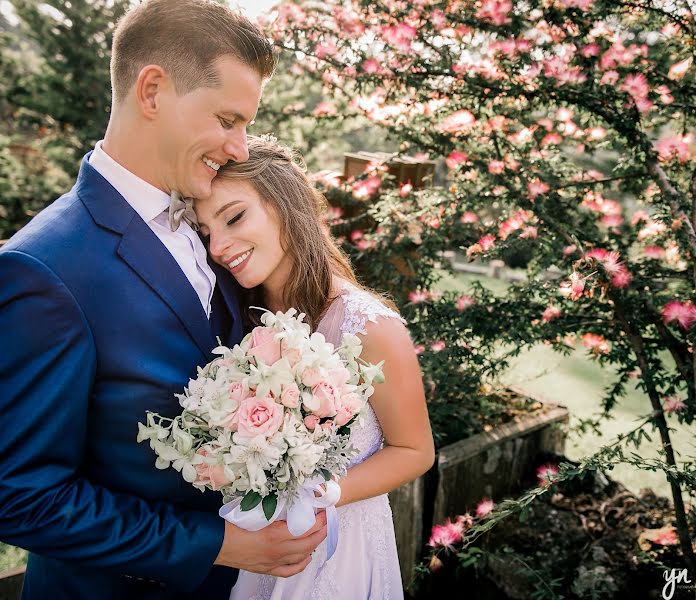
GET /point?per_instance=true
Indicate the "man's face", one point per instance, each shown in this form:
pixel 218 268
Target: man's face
pixel 205 128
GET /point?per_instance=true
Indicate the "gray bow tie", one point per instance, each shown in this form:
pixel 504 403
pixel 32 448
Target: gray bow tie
pixel 181 208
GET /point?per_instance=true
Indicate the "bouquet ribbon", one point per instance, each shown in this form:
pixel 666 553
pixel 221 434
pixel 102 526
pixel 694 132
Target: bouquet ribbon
pixel 300 515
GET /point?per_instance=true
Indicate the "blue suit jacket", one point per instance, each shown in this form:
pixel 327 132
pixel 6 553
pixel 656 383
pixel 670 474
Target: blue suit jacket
pixel 98 324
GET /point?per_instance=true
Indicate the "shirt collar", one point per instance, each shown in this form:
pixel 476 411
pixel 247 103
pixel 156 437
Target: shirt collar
pixel 146 199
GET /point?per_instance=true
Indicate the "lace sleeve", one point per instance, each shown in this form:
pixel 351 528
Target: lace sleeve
pixel 361 307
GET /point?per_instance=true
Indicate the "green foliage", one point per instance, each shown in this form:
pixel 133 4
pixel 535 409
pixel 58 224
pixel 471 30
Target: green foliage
pixel 298 109
pixel 558 119
pixel 29 179
pixel 69 87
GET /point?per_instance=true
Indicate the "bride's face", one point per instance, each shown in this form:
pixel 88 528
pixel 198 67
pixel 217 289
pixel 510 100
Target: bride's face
pixel 243 234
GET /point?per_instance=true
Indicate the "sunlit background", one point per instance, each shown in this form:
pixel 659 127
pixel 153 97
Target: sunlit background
pixel 252 8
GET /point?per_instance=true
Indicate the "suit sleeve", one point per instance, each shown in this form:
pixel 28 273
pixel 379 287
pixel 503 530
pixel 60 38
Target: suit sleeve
pixel 47 369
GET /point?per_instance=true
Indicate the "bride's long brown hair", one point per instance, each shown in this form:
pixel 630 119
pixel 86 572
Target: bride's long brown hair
pixel 279 176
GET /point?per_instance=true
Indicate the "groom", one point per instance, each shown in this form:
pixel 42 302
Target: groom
pixel 107 306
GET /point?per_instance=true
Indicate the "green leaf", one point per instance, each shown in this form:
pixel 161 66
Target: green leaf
pixel 250 501
pixel 326 474
pixel 269 505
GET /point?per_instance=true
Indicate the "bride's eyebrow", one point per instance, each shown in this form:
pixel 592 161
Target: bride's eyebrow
pixel 224 207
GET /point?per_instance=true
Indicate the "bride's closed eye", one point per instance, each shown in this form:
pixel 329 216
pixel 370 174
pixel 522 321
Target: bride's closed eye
pixel 236 218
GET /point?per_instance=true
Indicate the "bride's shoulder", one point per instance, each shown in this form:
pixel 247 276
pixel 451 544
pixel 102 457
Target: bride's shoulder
pixel 361 307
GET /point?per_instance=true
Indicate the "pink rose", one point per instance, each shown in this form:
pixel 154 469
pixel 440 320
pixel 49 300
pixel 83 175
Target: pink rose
pixel 311 377
pixel 259 416
pixel 311 421
pixel 347 407
pixel 238 394
pixel 210 474
pixel 326 394
pixel 339 377
pixel 263 345
pixel 343 415
pixel 290 396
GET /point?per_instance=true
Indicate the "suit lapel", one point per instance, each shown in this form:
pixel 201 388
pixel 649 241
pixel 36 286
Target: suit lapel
pixel 150 259
pixel 229 289
pixel 143 251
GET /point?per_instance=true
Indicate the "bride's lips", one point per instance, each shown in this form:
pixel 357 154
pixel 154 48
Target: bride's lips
pixel 237 263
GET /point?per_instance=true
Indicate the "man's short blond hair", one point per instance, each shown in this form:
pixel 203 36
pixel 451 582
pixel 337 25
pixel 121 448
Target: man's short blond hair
pixel 185 37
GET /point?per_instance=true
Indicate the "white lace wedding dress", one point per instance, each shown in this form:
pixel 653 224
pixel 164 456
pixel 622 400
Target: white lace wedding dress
pixel 365 565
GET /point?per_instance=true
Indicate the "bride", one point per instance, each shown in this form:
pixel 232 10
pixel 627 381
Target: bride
pixel 263 224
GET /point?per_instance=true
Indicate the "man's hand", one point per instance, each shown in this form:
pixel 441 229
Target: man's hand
pixel 272 550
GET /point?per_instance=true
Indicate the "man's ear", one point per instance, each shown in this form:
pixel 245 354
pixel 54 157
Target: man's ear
pixel 152 81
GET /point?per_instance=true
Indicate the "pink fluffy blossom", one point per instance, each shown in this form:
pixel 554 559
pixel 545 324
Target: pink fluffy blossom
pixel 595 343
pixel 620 55
pixel 590 50
pixel 495 11
pixel 324 49
pixel 372 66
pixel 652 229
pixel 636 86
pixel 418 296
pixel 458 122
pixel 515 222
pixel 487 242
pixel 574 287
pixel 551 313
pixel 464 302
pixel 438 346
pixel 536 187
pixel 679 69
pixel 483 245
pixel 619 274
pixel 405 189
pixel 400 36
pixel 638 216
pixel 545 473
pixel 683 313
pixel 674 404
pixel 485 507
pixel 674 147
pixel 324 109
pixel 551 138
pixel 445 535
pixel 609 78
pixel 654 252
pixel 365 188
pixel 496 167
pixel 456 158
pixel 581 4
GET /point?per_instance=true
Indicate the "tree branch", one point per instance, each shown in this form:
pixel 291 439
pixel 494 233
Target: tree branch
pixel 659 419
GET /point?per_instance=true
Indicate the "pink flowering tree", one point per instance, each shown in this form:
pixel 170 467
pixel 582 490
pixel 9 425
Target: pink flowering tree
pixel 567 129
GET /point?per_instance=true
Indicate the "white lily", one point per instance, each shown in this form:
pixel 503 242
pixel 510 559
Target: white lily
pixel 270 379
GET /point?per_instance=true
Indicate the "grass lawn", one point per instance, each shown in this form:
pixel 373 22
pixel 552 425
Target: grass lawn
pixel 578 383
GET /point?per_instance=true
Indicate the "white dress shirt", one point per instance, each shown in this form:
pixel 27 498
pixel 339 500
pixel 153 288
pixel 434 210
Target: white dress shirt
pixel 152 206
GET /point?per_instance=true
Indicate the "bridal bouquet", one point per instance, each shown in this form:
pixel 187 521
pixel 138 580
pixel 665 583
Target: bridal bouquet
pixel 268 422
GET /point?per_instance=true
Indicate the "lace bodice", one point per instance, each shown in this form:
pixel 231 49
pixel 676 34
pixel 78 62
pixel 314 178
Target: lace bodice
pixel 350 313
pixel 359 307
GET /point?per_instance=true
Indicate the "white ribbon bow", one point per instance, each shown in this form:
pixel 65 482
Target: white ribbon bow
pixel 300 515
